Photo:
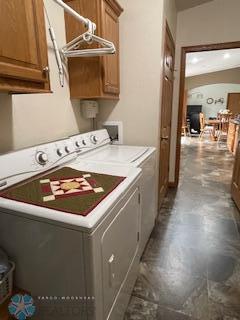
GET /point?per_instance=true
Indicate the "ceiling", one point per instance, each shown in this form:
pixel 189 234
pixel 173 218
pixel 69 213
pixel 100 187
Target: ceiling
pixel 186 4
pixel 211 61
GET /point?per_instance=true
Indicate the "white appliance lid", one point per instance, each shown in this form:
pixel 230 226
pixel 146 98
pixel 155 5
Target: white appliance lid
pixel 97 214
pixel 116 153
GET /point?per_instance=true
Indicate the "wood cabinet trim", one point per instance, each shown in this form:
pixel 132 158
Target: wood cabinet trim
pixel 11 85
pixel 11 71
pixel 101 97
pixel 115 6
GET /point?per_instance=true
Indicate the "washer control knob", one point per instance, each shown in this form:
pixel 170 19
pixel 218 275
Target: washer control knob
pixel 77 144
pixel 59 152
pixel 67 149
pixel 41 158
pixel 84 142
pixel 94 139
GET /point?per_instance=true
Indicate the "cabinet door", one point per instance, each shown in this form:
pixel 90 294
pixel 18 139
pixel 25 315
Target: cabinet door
pixel 23 47
pixel 110 30
pixel 233 103
pixel 236 178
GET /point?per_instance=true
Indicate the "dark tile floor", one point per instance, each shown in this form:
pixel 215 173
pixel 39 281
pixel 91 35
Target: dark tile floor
pixel 191 266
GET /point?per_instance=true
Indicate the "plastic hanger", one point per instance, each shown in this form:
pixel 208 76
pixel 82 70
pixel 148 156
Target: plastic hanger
pixel 71 49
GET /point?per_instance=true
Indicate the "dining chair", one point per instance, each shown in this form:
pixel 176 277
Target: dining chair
pixel 223 126
pixel 186 131
pixel 204 128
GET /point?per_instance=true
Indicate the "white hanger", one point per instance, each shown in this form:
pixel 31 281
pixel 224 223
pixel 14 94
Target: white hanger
pixel 70 50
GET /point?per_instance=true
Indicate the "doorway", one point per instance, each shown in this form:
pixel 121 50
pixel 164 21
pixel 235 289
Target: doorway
pixel 166 113
pixel 182 96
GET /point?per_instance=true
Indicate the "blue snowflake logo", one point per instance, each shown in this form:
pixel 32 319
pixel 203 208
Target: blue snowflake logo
pixel 21 306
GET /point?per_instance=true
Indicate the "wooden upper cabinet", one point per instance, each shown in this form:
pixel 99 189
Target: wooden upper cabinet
pixel 95 77
pixel 23 47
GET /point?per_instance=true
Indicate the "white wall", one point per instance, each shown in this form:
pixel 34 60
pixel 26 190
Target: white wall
pixel 26 120
pixel 141 26
pixel 214 22
pixel 214 91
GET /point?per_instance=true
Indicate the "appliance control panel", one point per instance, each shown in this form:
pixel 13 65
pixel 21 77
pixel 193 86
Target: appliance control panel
pixel 23 164
pixel 90 140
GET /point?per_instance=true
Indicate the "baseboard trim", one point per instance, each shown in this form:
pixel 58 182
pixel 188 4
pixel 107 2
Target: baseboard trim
pixel 172 184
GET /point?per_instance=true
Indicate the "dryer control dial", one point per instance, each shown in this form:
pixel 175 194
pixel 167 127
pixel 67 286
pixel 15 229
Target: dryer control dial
pixel 59 152
pixel 67 149
pixel 94 139
pixel 41 158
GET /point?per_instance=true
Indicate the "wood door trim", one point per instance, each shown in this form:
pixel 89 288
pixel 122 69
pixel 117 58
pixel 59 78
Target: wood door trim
pixel 171 185
pixel 184 51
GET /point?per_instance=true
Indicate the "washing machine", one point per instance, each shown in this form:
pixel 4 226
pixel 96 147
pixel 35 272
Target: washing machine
pixel 96 146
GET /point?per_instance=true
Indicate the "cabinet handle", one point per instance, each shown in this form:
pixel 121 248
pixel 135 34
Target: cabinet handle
pixel 111 264
pixel 165 138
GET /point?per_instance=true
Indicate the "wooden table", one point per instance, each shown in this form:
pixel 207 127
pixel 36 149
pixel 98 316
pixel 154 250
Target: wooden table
pixel 215 124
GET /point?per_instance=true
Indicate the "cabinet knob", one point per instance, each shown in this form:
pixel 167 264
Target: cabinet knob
pixel 46 69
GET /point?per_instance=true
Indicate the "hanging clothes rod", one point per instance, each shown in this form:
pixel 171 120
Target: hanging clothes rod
pixel 76 15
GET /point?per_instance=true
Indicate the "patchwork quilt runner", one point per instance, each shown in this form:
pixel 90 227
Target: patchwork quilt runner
pixel 66 190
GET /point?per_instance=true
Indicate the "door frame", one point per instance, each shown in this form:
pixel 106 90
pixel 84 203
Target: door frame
pixel 184 51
